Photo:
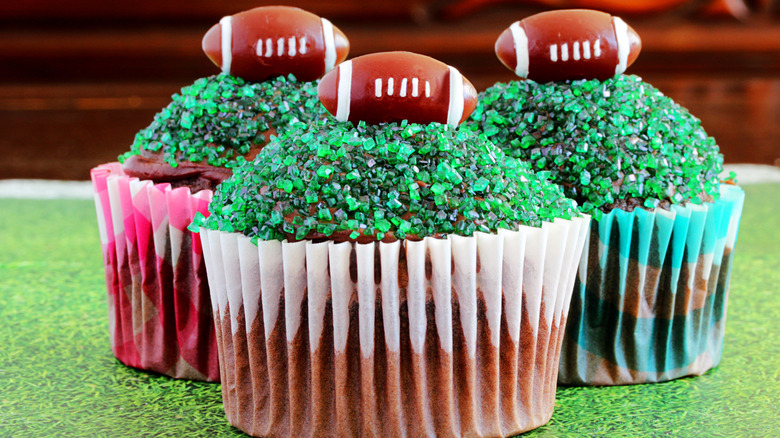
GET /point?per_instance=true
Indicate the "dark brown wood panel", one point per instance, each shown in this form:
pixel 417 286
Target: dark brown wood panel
pixel 62 131
pixel 196 10
pixel 81 77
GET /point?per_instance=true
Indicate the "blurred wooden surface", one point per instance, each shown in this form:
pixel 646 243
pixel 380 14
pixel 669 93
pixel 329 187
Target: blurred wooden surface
pixel 81 77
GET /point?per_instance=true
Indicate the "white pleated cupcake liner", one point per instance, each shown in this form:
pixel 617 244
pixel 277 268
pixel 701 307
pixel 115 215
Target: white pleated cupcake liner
pixel 438 337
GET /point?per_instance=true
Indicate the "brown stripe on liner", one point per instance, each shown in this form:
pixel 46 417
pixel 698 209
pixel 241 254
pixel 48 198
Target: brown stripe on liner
pixel 540 361
pixel 229 384
pixel 508 375
pixel 418 421
pixel 276 349
pixel 487 367
pixel 323 386
pixel 218 326
pixel 242 370
pixel 464 372
pixel 370 374
pixel 347 374
pixel 439 375
pixel 526 368
pixel 257 360
pixel 299 374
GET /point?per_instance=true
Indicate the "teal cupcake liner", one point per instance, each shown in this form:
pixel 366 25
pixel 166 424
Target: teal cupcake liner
pixel 649 303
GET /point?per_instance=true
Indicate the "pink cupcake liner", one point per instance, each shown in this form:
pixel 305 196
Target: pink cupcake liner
pixel 159 308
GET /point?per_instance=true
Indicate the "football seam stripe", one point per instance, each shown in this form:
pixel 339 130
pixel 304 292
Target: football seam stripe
pixel 521 49
pixel 226 42
pixel 344 91
pixel 330 44
pixel 455 107
pixel 294 46
pixel 621 34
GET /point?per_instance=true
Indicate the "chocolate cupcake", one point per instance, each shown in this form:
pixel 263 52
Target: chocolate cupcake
pixel 390 279
pixel 650 300
pixel 159 305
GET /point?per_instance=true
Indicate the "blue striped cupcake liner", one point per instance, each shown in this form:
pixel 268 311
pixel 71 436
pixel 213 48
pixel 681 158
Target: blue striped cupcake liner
pixel 649 303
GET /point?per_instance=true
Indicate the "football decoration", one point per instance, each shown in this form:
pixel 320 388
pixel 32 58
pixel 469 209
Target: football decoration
pixel 395 86
pixel 568 44
pixel 270 41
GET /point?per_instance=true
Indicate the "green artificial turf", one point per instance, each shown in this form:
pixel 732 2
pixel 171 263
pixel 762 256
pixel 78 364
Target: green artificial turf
pixel 58 376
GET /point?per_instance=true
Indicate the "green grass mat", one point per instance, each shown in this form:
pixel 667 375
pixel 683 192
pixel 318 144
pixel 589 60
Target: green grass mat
pixel 58 376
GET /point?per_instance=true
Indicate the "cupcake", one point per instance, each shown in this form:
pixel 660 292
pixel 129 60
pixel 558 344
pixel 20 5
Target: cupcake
pixel 650 300
pixel 160 314
pixel 393 278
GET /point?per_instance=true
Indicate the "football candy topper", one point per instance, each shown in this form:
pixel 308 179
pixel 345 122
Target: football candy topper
pixel 568 44
pixel 271 41
pixel 395 86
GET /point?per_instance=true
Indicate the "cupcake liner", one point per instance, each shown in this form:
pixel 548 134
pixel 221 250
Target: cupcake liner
pixel 159 305
pixel 438 337
pixel 650 300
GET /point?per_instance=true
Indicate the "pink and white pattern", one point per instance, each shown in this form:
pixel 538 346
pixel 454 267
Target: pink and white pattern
pixel 158 297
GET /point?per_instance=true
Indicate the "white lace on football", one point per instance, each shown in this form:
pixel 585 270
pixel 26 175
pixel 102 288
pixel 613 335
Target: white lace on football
pixel 330 45
pixel 344 91
pixel 621 32
pixel 403 89
pixel 565 52
pixel 521 49
pixel 455 109
pixel 226 42
pixel 290 47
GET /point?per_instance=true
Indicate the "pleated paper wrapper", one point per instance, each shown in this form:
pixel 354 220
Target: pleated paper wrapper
pixel 438 337
pixel 159 306
pixel 651 295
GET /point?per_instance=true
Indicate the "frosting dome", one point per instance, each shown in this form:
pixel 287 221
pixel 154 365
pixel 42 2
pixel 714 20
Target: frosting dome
pixel 390 181
pixel 219 118
pixel 618 143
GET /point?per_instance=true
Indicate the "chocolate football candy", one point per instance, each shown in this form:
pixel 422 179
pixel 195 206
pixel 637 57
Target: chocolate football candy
pixel 395 86
pixel 270 41
pixel 568 44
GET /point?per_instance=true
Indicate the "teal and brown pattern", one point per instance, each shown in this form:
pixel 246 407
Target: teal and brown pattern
pixel 653 307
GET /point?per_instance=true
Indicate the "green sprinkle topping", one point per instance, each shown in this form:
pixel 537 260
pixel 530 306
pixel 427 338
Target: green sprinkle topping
pixel 220 118
pixel 356 181
pixel 605 142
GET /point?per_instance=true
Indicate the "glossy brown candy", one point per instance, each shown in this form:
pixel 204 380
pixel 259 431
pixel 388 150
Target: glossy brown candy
pixel 568 44
pixel 270 41
pixel 395 86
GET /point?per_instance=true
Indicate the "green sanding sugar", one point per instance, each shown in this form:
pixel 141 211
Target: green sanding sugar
pixel 219 118
pixel 604 142
pixel 382 181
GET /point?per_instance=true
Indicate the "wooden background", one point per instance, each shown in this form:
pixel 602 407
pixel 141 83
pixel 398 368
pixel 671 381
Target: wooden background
pixel 80 77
